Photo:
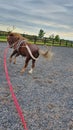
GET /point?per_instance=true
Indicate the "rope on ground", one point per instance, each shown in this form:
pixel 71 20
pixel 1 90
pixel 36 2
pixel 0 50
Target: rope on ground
pixel 18 108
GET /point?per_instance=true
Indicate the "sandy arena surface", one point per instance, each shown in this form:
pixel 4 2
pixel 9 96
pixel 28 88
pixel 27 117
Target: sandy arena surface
pixel 46 96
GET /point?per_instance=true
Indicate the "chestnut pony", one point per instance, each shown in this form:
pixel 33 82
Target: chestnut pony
pixel 22 47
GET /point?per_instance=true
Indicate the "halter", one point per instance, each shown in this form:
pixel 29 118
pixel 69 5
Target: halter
pixel 17 44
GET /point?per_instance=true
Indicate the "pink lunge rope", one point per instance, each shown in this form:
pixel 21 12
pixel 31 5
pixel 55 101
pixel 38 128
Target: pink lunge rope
pixel 18 108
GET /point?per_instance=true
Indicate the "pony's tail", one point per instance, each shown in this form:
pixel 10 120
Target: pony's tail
pixel 48 54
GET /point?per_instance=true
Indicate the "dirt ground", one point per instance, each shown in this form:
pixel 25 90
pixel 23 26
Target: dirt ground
pixel 46 96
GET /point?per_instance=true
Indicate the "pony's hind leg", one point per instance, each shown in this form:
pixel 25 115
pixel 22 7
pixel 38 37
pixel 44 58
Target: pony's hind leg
pixel 25 66
pixel 33 65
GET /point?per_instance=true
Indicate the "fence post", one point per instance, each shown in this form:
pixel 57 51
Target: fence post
pixel 44 40
pixel 66 43
pixel 71 43
pixel 60 43
pixel 53 42
pixel 35 39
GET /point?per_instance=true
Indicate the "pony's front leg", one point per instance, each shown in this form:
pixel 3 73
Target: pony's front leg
pixel 14 52
pixel 25 66
pixel 33 65
pixel 15 58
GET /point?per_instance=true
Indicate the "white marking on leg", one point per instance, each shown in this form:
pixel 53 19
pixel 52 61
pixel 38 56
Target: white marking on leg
pixel 30 71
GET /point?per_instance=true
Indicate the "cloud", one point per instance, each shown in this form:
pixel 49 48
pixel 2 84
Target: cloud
pixel 31 15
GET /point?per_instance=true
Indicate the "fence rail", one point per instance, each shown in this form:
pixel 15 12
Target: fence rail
pixel 52 42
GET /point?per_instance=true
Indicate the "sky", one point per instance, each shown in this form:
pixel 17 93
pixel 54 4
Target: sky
pixel 29 16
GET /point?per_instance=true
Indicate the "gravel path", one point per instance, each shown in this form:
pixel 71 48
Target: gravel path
pixel 46 96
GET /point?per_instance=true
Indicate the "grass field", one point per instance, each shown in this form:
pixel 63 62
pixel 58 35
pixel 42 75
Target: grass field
pixel 3 39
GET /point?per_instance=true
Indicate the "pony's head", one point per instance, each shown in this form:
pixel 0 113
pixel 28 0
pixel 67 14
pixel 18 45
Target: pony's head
pixel 13 37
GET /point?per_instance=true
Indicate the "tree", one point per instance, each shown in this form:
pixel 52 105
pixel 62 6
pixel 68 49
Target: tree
pixel 51 37
pixel 41 33
pixel 57 38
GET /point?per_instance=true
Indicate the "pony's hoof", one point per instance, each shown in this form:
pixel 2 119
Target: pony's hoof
pixel 22 71
pixel 14 62
pixel 30 71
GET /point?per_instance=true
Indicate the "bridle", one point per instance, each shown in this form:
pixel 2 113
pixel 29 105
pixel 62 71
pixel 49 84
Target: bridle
pixel 17 44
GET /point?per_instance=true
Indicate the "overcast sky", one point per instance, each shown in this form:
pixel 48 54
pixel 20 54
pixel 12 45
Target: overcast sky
pixel 29 16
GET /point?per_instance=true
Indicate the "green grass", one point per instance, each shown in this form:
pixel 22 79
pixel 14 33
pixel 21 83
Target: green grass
pixel 3 39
